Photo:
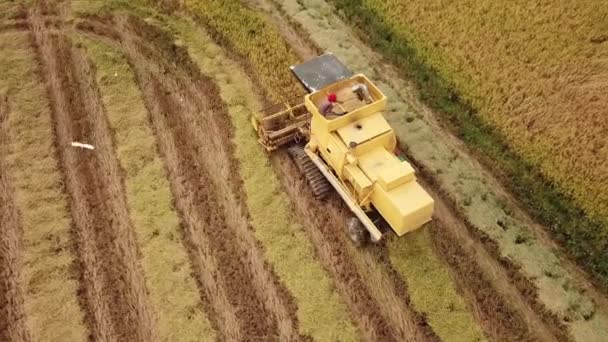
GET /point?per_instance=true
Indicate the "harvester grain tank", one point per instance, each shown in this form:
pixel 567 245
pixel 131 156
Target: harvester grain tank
pixel 348 148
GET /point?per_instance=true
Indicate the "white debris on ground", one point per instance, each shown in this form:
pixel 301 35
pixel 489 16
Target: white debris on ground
pixel 81 145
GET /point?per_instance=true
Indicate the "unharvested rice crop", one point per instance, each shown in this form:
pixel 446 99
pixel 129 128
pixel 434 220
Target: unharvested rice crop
pixel 522 83
pixel 254 39
pixel 536 70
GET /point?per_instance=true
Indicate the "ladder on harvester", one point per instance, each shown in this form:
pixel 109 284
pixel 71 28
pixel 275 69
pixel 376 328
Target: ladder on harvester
pixel 281 124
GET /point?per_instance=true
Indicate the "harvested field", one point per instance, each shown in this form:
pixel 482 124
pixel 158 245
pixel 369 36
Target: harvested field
pixel 48 276
pixel 322 314
pixel 13 324
pixel 170 222
pixel 173 290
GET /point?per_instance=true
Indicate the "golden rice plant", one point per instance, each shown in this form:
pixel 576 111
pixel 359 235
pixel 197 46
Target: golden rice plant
pixel 247 33
pixel 536 70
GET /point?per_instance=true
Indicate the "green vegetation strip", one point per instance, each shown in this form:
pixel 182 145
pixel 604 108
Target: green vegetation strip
pixel 50 279
pixel 583 237
pixel 167 270
pixel 431 287
pixel 321 312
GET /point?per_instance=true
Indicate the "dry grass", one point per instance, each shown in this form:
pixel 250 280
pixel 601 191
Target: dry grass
pixel 536 71
pixel 167 270
pixel 321 312
pixel 51 283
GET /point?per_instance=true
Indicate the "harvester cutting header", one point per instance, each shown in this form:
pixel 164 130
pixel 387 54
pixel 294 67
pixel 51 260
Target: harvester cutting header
pixel 348 146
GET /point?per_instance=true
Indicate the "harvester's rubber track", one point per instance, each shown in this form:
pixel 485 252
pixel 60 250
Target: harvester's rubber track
pixel 317 181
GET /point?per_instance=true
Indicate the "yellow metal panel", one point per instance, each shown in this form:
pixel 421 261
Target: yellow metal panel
pixel 364 129
pixel 405 208
pixel 314 100
pixel 335 153
pixel 396 194
pixel 386 140
pixel 358 179
pixel 382 166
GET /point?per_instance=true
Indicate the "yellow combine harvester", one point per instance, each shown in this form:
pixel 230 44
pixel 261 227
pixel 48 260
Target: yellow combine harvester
pixel 349 146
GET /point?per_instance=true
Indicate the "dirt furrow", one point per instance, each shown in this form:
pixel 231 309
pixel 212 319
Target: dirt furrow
pixel 113 291
pixel 194 202
pixel 13 325
pixel 376 320
pixel 501 308
pixel 513 317
pixel 497 320
pixel 180 97
pixel 12 26
pixel 327 231
pixel 382 310
pixel 206 265
pixel 215 131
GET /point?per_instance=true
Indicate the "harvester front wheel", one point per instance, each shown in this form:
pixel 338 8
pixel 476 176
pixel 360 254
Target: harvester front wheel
pixel 357 232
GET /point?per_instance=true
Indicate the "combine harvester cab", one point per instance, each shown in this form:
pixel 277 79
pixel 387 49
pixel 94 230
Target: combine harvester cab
pixel 352 150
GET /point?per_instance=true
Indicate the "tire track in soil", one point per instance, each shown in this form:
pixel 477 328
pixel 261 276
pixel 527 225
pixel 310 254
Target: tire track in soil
pixel 15 21
pixel 188 203
pixel 13 325
pixel 382 312
pixel 13 26
pixel 113 292
pixel 502 309
pixel 496 319
pixel 325 222
pixel 390 291
pixel 180 97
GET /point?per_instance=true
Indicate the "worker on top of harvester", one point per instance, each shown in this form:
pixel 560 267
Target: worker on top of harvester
pixel 362 93
pixel 327 107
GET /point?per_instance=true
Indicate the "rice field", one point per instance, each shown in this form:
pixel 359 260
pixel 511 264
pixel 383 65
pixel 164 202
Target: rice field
pixel 538 84
pixel 175 225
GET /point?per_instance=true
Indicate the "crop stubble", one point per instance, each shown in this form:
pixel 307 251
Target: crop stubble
pixel 113 291
pixel 185 108
pixel 168 102
pixel 12 312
